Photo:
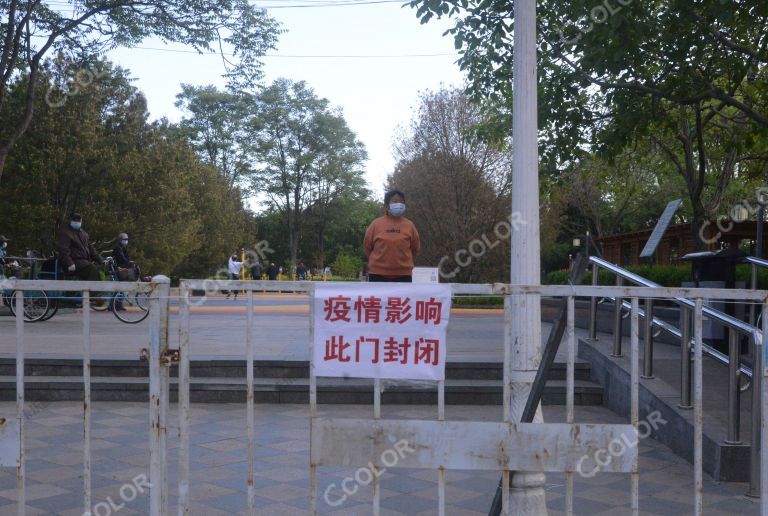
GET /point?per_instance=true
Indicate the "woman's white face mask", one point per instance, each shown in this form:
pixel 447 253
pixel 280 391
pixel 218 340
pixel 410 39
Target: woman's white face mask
pixel 396 209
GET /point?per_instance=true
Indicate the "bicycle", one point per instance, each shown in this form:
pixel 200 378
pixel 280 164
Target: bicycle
pixel 36 302
pixel 128 307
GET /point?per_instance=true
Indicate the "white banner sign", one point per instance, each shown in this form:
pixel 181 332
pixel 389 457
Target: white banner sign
pixel 381 330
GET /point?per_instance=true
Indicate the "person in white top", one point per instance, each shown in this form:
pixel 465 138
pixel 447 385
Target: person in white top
pixel 233 267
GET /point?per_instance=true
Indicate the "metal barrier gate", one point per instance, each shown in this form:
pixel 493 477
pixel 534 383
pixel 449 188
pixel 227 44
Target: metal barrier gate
pixel 440 445
pixel 12 441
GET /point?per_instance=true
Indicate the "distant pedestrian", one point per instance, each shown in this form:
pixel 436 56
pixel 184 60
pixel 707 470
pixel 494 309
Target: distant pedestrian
pixel 256 271
pixel 3 252
pixel 272 271
pixel 234 266
pixel 13 266
pixel 301 271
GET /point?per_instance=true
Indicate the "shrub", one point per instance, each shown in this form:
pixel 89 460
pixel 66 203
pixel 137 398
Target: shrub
pixel 664 275
pixel 346 266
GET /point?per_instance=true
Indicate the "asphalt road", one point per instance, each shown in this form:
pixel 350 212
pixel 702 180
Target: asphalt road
pixel 217 329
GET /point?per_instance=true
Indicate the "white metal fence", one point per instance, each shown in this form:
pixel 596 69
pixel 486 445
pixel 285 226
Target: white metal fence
pixel 505 446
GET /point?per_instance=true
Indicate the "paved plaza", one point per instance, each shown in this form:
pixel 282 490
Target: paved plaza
pixel 219 468
pixel 120 441
pixel 217 330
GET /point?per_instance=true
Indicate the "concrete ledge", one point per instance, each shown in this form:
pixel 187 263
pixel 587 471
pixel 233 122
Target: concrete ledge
pixel 269 390
pixel 132 368
pixel 722 461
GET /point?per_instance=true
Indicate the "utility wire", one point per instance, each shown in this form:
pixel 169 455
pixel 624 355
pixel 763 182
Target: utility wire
pixel 313 5
pixel 303 56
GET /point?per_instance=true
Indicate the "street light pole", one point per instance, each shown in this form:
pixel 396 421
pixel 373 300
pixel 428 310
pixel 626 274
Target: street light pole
pixel 527 496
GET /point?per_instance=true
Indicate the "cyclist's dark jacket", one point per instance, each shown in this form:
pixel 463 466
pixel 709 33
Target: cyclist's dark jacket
pixel 74 248
pixel 121 256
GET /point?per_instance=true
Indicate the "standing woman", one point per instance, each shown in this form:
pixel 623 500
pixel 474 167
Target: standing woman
pixel 391 242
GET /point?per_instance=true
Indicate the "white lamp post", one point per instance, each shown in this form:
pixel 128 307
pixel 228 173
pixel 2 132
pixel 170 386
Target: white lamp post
pixel 527 495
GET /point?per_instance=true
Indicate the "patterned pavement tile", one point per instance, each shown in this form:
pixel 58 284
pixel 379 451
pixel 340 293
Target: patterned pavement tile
pixel 218 467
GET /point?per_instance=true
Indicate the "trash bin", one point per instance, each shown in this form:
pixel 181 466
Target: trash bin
pixel 716 269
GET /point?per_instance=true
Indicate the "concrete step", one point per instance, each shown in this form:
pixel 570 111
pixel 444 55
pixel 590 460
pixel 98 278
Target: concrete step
pixel 116 368
pixel 290 390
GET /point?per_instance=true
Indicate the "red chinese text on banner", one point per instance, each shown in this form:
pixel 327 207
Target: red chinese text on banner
pixel 381 330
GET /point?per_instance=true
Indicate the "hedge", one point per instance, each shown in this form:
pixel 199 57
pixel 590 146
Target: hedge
pixel 664 275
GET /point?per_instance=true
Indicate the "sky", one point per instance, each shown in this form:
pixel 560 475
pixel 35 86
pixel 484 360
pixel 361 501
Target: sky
pixel 321 46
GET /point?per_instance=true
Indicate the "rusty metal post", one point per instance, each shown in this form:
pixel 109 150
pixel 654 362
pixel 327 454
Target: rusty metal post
pixel 441 471
pixel 762 385
pixel 617 321
pixel 21 498
pixel 756 446
pixel 158 396
pixel 183 390
pixel 648 348
pixel 698 486
pixel 250 408
pixel 685 358
pixel 87 401
pixel 593 304
pixel 634 396
pixel 569 388
pixel 312 398
pixel 734 392
pixel 753 286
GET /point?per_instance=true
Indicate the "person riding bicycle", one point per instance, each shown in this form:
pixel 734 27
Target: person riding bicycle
pixel 13 267
pixel 76 254
pixel 120 252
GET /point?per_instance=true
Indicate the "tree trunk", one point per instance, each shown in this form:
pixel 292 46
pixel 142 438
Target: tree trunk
pixel 3 155
pixel 321 246
pixel 698 224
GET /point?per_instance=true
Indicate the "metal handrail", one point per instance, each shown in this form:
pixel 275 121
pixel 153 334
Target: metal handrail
pixel 725 319
pixel 736 369
pixel 756 261
pixel 675 332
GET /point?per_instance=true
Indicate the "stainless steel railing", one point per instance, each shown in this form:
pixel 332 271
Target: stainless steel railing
pixel 736 329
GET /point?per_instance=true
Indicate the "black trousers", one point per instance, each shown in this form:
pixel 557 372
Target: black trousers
pixel 376 278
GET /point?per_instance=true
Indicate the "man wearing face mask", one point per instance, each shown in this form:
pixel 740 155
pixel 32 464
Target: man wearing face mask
pixel 391 242
pixel 120 252
pixel 76 254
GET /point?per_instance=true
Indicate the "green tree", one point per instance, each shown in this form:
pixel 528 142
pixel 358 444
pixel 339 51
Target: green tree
pixel 97 154
pixel 457 187
pixel 306 156
pixel 688 75
pixel 30 30
pixel 215 127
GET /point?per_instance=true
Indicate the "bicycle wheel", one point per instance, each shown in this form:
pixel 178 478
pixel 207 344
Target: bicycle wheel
pixel 36 305
pixel 97 304
pixel 53 308
pixel 130 307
